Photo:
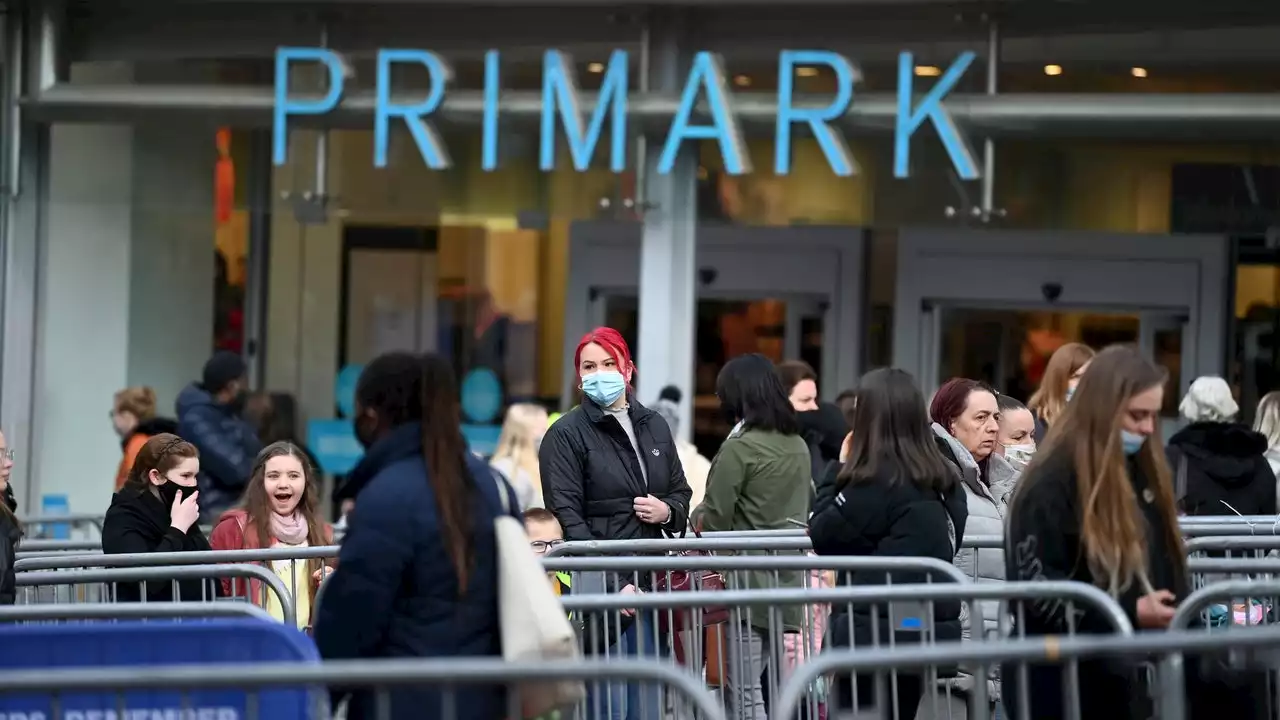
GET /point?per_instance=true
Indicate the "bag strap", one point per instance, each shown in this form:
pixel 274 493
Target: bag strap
pixel 951 526
pixel 1180 483
pixel 499 481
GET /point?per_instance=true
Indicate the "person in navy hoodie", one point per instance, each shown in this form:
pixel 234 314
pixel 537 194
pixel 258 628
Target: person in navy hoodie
pixel 417 575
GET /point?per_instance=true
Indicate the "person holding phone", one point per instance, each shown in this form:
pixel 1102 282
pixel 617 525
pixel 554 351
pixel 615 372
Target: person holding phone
pixel 1096 505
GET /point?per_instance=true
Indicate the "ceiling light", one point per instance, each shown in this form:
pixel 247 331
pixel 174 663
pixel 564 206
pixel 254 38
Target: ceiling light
pixel 807 72
pixel 741 80
pixel 1138 72
pixel 928 71
pixel 595 68
pixel 1052 69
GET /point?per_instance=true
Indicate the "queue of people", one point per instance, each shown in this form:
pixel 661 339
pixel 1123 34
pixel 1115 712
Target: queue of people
pixel 1078 480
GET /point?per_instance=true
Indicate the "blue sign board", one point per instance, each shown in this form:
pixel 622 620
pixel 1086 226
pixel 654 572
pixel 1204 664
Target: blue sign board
pixel 157 642
pixel 335 445
pixel 344 389
pixel 562 110
pixel 482 439
pixel 51 505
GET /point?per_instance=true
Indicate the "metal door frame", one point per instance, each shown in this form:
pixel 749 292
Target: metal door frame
pixel 1012 269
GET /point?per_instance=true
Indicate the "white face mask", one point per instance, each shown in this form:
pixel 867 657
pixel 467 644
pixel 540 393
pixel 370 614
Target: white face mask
pixel 1019 455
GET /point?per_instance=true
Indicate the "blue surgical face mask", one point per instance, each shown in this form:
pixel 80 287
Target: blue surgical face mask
pixel 604 387
pixel 1131 442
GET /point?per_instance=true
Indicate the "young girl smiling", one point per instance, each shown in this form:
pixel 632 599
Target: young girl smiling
pixel 281 503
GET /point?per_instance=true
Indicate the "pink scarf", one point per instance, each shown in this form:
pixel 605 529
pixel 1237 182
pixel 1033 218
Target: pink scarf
pixel 290 530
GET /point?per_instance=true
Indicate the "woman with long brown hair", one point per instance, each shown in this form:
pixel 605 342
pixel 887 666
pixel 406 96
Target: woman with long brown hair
pixel 280 509
pixel 1061 376
pixel 1096 506
pixel 417 575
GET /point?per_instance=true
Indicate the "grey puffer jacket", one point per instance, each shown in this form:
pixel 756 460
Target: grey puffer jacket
pixel 987 504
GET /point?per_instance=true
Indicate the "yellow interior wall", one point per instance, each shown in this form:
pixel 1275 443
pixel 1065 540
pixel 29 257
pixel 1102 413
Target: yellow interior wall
pixel 1124 188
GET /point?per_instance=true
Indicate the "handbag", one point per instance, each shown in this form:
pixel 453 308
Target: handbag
pixel 534 625
pixel 676 621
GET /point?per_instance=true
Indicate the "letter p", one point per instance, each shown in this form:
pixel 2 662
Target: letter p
pixel 286 106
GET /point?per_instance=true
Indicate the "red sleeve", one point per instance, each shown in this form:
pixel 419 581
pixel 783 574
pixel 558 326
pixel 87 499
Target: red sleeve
pixel 227 535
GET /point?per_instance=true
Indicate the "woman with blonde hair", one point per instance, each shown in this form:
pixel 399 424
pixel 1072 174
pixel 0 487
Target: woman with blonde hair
pixel 1268 423
pixel 1096 505
pixel 280 509
pixel 516 456
pixel 133 415
pixel 1065 368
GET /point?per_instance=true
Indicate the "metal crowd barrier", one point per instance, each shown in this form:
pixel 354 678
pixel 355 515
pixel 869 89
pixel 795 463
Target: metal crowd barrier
pixel 917 659
pixel 128 611
pixel 38 545
pixel 40 526
pixel 101 585
pixel 1237 544
pixel 380 677
pixel 724 630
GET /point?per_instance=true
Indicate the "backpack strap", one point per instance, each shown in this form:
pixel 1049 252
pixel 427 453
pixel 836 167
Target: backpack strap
pixel 1180 480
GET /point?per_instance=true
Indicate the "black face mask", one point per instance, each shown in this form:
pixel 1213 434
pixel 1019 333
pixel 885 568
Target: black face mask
pixel 238 402
pixel 171 490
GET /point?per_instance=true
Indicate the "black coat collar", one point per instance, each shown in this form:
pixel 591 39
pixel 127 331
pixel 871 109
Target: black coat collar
pixel 637 412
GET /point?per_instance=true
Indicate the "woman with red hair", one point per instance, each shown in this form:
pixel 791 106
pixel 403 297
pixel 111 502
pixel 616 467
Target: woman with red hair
pixel 966 427
pixel 610 471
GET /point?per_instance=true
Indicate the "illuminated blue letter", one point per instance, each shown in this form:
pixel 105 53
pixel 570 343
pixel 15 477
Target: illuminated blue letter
pixel 424 135
pixel 489 131
pixel 930 107
pixel 708 73
pixel 829 139
pixel 284 107
pixel 560 89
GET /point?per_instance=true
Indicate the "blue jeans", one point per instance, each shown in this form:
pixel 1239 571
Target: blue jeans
pixel 630 701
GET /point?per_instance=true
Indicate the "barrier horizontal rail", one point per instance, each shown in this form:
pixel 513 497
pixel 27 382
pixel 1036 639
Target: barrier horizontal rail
pixel 1234 565
pixel 200 557
pixel 731 563
pixel 129 611
pixel 859 594
pixel 354 675
pixel 687 544
pixel 1048 649
pixel 168 574
pixel 1237 543
pixel 39 545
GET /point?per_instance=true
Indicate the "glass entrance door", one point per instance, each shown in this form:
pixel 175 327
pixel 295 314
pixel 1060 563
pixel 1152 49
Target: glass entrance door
pixel 1010 347
pixel 783 328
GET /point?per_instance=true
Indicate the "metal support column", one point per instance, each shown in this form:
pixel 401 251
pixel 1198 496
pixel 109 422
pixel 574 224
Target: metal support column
pixel 987 209
pixel 668 292
pixel 29 60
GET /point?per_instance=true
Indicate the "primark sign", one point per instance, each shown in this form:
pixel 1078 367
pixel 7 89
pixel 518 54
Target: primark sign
pixel 705 110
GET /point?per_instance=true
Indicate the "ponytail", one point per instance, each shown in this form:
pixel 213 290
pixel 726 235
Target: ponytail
pixel 444 451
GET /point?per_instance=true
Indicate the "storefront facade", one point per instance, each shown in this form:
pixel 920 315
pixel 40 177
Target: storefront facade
pixel 855 186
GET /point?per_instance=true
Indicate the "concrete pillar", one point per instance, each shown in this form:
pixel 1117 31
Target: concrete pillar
pixel 668 289
pixel 126 288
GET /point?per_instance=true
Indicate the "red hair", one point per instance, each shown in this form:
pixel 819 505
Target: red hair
pixel 950 400
pixel 612 342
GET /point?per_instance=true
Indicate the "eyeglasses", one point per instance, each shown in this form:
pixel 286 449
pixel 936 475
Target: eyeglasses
pixel 9 455
pixel 541 546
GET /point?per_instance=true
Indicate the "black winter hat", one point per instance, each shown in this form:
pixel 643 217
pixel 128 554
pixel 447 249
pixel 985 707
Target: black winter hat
pixel 224 367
